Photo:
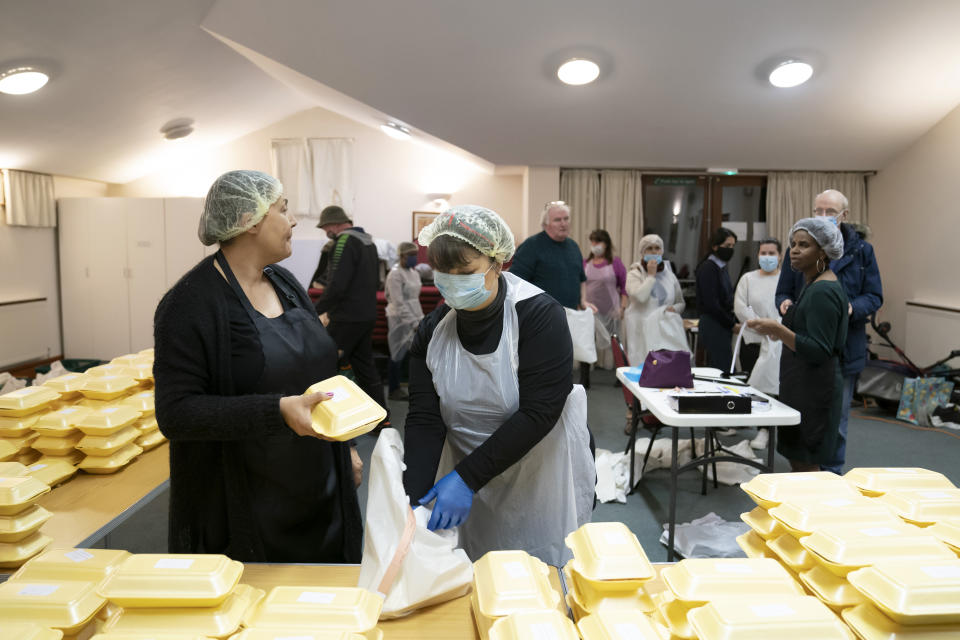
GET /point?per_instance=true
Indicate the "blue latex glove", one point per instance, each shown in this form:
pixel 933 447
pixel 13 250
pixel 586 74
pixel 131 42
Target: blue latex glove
pixel 454 499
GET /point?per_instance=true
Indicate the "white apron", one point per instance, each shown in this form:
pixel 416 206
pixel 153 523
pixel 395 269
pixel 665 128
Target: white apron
pixel 548 493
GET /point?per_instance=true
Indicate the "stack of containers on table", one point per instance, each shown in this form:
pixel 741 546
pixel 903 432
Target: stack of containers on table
pixel 299 612
pixel 57 591
pixel 176 595
pixel 21 519
pixel 19 411
pixel 509 583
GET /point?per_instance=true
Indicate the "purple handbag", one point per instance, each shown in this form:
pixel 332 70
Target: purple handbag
pixel 666 369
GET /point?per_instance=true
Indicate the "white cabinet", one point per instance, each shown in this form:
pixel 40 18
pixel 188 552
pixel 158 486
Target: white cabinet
pixel 118 256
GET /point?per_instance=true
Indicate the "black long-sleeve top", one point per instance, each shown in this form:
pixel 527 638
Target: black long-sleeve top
pixel 545 364
pixel 350 294
pixel 715 293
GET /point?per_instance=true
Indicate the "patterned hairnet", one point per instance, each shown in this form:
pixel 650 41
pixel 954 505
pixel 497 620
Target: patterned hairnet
pixel 481 228
pixel 236 201
pixel 825 232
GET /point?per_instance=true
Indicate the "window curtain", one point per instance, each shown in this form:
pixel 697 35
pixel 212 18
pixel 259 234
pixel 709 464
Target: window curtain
pixel 790 197
pixel 29 199
pixel 291 165
pixel 331 170
pixel 608 199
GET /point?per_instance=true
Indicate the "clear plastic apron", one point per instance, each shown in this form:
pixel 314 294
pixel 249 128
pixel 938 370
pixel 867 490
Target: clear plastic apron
pixel 549 492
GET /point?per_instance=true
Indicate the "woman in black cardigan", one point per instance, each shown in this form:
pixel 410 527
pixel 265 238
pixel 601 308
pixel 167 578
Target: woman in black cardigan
pixel 237 342
pixel 715 300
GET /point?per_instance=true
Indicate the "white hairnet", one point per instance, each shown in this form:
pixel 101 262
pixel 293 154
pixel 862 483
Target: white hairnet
pixel 825 232
pixel 479 227
pixel 648 242
pixel 236 201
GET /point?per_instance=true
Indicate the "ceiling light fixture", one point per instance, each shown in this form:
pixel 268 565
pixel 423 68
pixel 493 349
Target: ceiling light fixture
pixel 178 128
pixel 578 71
pixel 22 80
pixel 395 131
pixel 790 73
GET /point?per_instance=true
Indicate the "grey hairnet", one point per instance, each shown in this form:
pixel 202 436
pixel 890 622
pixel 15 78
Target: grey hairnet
pixel 824 232
pixel 236 201
pixel 480 228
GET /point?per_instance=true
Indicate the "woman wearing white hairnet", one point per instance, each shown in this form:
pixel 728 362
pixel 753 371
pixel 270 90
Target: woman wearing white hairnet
pixel 237 342
pixel 813 332
pixel 403 312
pixel 496 432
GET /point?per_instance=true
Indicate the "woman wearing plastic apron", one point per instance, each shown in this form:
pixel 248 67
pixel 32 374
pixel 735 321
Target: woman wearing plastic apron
pixel 606 282
pixel 403 312
pixel 493 411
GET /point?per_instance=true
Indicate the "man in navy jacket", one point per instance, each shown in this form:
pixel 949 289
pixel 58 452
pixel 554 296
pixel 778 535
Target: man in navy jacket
pixel 857 271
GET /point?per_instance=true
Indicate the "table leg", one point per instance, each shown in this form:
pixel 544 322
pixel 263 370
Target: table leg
pixel 771 447
pixel 672 523
pixel 634 421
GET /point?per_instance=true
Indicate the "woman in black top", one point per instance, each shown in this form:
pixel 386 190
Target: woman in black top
pixel 715 301
pixel 237 342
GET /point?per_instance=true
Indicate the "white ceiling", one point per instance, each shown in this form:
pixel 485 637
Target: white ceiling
pixel 681 84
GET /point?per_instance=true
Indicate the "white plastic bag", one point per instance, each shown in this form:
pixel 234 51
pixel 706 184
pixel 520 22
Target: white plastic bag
pixel 663 329
pixel 765 376
pixel 412 566
pixel 708 537
pixel 56 370
pixel 9 384
pixel 582 333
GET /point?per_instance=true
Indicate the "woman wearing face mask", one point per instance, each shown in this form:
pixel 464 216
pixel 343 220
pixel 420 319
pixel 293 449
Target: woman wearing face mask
pixel 652 319
pixel 813 333
pixel 404 312
pixel 715 300
pixel 606 290
pixel 496 432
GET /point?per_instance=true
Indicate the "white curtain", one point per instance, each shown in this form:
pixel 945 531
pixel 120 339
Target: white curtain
pixel 790 197
pixel 29 199
pixel 580 189
pixel 331 162
pixel 291 165
pixel 609 199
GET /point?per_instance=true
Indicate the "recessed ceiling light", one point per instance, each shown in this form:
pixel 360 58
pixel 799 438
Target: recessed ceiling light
pixel 178 128
pixel 395 131
pixel 790 73
pixel 578 71
pixel 22 80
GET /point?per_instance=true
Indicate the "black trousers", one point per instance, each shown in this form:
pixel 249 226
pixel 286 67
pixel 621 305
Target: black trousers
pixel 749 353
pixel 355 340
pixel 716 341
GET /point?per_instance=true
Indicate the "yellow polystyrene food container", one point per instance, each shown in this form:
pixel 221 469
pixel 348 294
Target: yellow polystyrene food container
pixel 142 402
pixel 16 494
pixel 214 622
pixel 113 462
pixel 23 402
pixel 509 581
pixel 27 457
pixel 576 608
pixel 22 525
pixel 107 421
pixel 67 385
pixel 870 624
pixel 147 424
pixel 12 469
pixel 592 600
pixel 836 592
pixel 923 506
pixel 675 612
pixel 57 445
pixel 172 580
pixel 287 634
pixel 348 414
pixel 875 481
pixel 91 403
pixel 28 631
pixel 701 580
pixel 784 617
pixel 609 551
pixel 948 532
pixel 104 370
pixel 770 489
pixel 62 422
pixel 59 604
pixel 336 608
pixel 753 545
pixel 911 592
pixel 617 625
pixel 14 554
pixel 789 551
pixel 107 445
pixel 18 427
pixel 151 440
pixel 107 387
pixel 128 359
pixel 844 548
pixel 52 472
pixel 526 625
pixel 86 565
pixel 762 523
pixel 22 442
pixel 140 371
pixel 73 458
pixel 7 451
pixel 802 517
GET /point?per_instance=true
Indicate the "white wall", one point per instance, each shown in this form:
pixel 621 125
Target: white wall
pixel 29 269
pixel 914 215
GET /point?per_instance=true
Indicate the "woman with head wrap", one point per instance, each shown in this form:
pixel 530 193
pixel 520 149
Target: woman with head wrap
pixel 652 319
pixel 404 312
pixel 237 342
pixel 813 332
pixel 493 410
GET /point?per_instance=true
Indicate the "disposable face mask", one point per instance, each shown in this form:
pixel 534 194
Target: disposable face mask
pixel 725 253
pixel 597 249
pixel 834 220
pixel 656 257
pixel 462 291
pixel 410 262
pixel 768 263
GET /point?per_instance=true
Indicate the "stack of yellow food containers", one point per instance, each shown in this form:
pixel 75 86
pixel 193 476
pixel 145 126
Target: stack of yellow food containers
pixel 19 411
pixel 534 624
pixel 294 612
pixel 148 432
pixel 171 594
pixel 509 582
pixel 21 519
pixel 620 623
pixel 68 606
pixel 109 435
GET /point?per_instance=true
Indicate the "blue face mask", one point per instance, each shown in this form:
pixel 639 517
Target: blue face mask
pixel 647 257
pixel 410 262
pixel 834 220
pixel 462 291
pixel 768 263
